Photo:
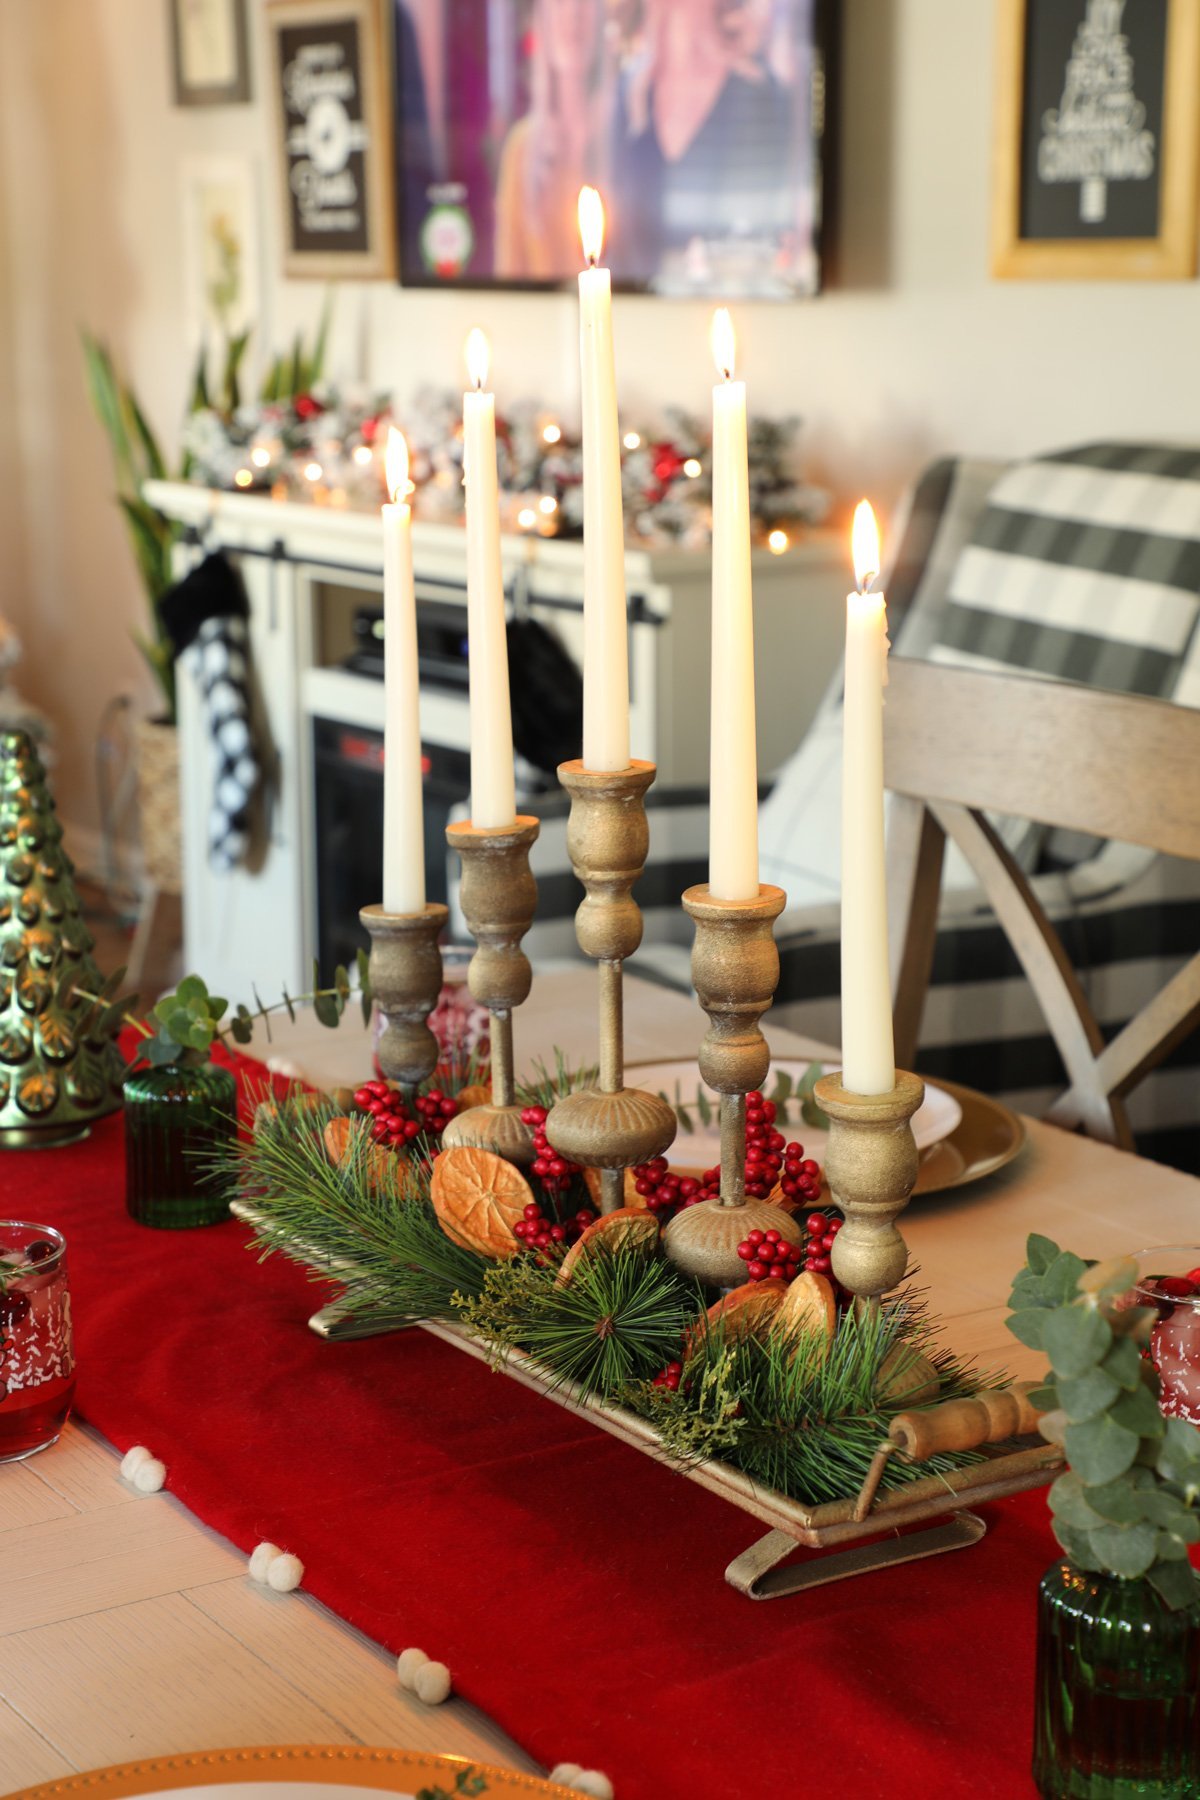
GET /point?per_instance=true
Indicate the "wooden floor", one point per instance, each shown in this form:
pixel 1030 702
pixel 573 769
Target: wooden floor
pixel 126 1629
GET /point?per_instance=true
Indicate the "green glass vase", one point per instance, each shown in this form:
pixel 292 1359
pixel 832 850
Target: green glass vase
pixel 1117 1692
pixel 177 1117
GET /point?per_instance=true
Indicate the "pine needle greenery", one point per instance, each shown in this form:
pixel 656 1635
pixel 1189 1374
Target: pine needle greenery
pixel 617 1321
pixel 366 1223
pixel 796 1412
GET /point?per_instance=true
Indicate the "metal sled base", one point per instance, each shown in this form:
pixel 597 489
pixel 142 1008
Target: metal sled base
pixel 755 1572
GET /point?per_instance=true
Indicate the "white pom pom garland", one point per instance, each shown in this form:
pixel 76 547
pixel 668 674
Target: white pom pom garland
pixel 285 1572
pixel 584 1781
pixel 150 1476
pixel 261 1559
pixel 431 1683
pixel 132 1461
pixel 407 1664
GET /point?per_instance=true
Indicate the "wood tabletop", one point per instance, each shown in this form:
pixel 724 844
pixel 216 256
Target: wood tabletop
pixel 128 1629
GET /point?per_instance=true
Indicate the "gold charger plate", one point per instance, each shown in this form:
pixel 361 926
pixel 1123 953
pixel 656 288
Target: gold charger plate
pixel 288 1768
pixel 987 1136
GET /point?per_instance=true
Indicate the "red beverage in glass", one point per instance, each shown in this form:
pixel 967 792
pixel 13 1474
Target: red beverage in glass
pixel 37 1352
pixel 1169 1281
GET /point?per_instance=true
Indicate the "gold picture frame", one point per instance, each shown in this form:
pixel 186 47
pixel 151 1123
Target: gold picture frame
pixel 328 74
pixel 1168 255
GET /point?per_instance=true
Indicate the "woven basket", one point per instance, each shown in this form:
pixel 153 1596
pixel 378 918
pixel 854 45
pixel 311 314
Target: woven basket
pixel 158 804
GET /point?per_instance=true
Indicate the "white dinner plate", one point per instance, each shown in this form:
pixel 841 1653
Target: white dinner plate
pixel 938 1115
pixel 299 1772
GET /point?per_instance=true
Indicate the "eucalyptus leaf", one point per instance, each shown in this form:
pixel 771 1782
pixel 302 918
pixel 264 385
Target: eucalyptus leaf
pixel 1100 1449
pixel 363 962
pixel 1078 1546
pixel 241 1029
pixel 1044 1399
pixel 1176 1583
pixel 1061 1279
pixel 1119 1502
pixel 1087 1395
pixel 192 987
pixel 1138 1411
pixel 1126 1550
pixel 1108 1279
pixel 1168 1512
pixel 1075 1338
pixel 326 1009
pixel 1123 1363
pixel 1029 1326
pixel 341 982
pixel 1040 1252
pixel 703 1107
pixel 1179 1453
pixel 217 1007
pixel 781 1093
pixel 1069 1502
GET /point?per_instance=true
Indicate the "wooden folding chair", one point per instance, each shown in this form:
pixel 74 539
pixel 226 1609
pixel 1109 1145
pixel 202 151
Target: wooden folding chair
pixel 959 744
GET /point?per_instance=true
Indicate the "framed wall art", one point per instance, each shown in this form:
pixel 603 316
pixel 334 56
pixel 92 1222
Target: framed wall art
pixel 702 125
pixel 221 250
pixel 210 61
pixel 1097 138
pixel 329 75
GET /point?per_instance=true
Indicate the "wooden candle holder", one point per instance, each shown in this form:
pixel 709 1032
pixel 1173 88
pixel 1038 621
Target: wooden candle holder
pixel 609 1127
pixel 405 971
pixel 735 969
pixel 871 1167
pixel 499 899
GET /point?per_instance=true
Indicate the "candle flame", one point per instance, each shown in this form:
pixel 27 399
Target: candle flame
pixel 724 341
pixel 395 465
pixel 478 357
pixel 591 224
pixel 865 542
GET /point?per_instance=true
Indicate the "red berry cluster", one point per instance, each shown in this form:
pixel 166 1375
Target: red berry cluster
pixel 822 1229
pixel 553 1171
pixel 801 1178
pixel 670 1377
pixel 393 1124
pixel 663 1190
pixel 542 1234
pixel 767 1255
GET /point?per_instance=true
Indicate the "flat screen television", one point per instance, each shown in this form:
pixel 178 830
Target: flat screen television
pixel 702 122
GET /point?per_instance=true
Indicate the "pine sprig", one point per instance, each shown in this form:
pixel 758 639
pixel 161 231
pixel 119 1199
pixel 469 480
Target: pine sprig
pixel 799 1414
pixel 366 1223
pixel 618 1319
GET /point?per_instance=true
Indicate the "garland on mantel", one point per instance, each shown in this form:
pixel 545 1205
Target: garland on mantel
pixel 799 1403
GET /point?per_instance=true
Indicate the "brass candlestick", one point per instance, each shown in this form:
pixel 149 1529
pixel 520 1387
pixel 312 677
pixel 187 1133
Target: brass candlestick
pixel 735 968
pixel 406 978
pixel 609 1127
pixel 871 1167
pixel 499 899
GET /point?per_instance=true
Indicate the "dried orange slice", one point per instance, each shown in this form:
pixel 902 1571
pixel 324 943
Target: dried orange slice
pixel 744 1312
pixel 475 1095
pixel 809 1305
pixel 628 1225
pixel 478 1198
pixel 339 1136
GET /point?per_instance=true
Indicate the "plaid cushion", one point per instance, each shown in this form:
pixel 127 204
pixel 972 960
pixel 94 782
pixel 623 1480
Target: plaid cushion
pixel 1084 566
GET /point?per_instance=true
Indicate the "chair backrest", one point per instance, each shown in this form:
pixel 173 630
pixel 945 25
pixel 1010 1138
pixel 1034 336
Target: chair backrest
pixel 959 744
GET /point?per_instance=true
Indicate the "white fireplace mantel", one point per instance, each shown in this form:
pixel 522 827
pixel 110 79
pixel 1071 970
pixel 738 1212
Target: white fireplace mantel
pixel 258 925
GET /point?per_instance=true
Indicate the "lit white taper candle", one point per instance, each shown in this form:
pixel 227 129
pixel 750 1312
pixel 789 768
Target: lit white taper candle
pixel 733 752
pixel 868 1050
pixel 605 646
pixel 493 801
pixel 403 801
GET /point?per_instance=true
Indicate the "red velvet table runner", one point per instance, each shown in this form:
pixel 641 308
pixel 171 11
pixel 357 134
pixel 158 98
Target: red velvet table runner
pixel 574 1586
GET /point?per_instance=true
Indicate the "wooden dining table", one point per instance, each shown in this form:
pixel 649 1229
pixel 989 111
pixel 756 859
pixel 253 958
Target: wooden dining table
pixel 128 1629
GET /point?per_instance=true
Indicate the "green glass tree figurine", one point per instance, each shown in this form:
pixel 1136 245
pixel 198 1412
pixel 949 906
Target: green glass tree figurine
pixel 59 1066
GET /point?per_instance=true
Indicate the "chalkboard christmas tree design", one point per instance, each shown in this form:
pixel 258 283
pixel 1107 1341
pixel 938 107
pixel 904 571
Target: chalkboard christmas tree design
pixel 1097 133
pixel 59 1066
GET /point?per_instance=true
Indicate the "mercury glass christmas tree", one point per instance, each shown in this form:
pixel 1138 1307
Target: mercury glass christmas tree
pixel 59 1067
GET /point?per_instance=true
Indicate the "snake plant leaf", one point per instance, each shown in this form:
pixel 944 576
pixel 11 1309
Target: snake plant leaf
pixel 1100 1449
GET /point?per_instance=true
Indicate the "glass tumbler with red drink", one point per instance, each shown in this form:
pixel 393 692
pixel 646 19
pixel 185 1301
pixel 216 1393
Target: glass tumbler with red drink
pixel 1169 1281
pixel 37 1351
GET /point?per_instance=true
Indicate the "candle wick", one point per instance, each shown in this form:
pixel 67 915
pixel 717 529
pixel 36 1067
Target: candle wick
pixel 728 374
pixel 591 261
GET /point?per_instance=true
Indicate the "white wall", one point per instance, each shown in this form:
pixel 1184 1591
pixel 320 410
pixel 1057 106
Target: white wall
pixel 915 352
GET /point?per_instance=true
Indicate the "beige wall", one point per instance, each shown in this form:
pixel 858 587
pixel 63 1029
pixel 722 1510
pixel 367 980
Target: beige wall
pixel 915 352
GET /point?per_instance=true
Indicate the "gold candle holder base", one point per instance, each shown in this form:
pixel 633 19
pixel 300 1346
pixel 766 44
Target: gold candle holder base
pixel 735 969
pixel 871 1167
pixel 609 1127
pixel 499 899
pixel 406 978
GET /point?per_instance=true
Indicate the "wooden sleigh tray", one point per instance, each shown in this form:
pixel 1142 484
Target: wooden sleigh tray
pixel 870 1530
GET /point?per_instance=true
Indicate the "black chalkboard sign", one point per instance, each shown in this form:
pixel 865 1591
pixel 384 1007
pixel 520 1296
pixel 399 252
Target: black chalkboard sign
pixel 333 145
pixel 1098 115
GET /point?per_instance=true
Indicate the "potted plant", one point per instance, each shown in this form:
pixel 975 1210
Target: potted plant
pixel 1118 1669
pixel 181 1107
